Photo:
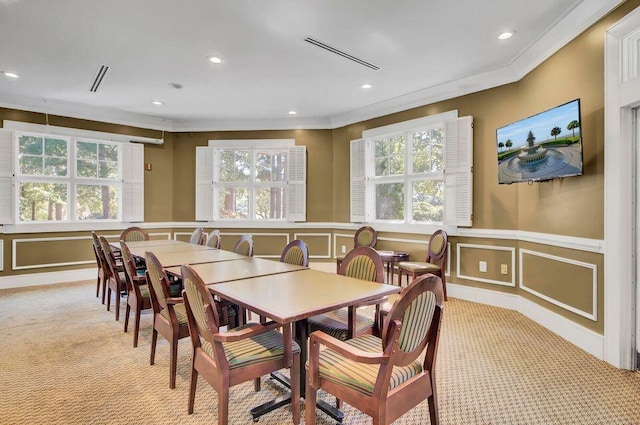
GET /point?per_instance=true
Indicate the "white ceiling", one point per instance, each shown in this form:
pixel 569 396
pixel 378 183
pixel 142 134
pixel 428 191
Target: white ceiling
pixel 427 50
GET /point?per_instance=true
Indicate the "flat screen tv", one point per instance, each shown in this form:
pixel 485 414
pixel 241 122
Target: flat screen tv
pixel 545 146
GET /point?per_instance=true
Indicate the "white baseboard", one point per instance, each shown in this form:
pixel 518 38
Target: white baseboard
pixel 586 339
pixel 34 279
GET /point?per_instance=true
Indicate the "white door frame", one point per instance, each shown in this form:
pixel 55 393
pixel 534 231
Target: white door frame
pixel 622 94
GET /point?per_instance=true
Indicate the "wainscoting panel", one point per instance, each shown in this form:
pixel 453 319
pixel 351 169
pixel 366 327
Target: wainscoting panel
pixel 564 282
pixel 60 251
pixel 470 255
pixel 319 244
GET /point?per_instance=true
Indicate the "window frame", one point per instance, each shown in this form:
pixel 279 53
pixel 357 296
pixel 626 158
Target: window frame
pixel 208 184
pixel 455 177
pixel 130 179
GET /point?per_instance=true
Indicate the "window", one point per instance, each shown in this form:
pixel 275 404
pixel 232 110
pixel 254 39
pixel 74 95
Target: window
pixel 418 171
pixel 251 180
pixel 69 179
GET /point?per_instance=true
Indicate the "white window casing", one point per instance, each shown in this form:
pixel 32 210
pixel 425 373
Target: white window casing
pixel 358 181
pixel 458 178
pixel 297 183
pixel 7 201
pixel 132 182
pixel 204 183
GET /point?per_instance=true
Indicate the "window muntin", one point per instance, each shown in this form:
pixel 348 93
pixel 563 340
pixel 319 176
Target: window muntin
pixel 49 189
pixel 42 156
pixel 251 183
pixel 389 156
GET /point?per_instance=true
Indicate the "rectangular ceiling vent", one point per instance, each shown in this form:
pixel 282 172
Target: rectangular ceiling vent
pixel 98 78
pixel 339 52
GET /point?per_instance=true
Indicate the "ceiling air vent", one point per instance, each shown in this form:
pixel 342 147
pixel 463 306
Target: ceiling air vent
pixel 97 80
pixel 339 52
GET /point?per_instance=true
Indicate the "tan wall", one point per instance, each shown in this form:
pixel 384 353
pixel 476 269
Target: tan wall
pixel 319 167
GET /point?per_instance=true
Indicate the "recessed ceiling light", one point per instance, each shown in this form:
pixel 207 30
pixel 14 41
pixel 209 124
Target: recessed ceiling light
pixel 215 59
pixel 10 74
pixel 506 35
pixel 292 112
pixel 366 86
pixel 157 103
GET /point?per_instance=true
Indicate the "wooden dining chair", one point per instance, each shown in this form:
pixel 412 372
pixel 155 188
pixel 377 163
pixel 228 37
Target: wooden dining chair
pixel 214 240
pixel 134 234
pixel 435 263
pixel 296 252
pixel 115 275
pixel 102 279
pixel 169 314
pixel 198 236
pixel 244 246
pixel 360 263
pixel 226 359
pixel 364 236
pixel 138 297
pixel 383 377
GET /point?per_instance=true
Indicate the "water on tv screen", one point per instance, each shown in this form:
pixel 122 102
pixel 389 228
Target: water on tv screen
pixel 544 146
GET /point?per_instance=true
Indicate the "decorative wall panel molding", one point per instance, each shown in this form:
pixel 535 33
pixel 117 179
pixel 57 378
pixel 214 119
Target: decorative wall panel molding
pixel 511 250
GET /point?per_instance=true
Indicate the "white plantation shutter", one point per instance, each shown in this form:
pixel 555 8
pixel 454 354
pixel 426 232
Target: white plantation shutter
pixel 297 183
pixel 132 182
pixel 204 183
pixel 458 177
pixel 6 177
pixel 358 181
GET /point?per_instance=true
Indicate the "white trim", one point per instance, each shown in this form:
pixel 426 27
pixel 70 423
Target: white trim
pixel 586 339
pixel 77 133
pixel 328 235
pixel 512 283
pixel 14 253
pixel 619 216
pixel 48 278
pixel 252 143
pixel 593 315
pixel 410 125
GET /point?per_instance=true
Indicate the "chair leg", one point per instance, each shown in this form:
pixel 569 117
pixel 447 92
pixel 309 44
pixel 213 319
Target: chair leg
pixel 154 339
pixel 400 277
pixel 295 388
pixel 104 288
pixel 98 286
pixel 117 295
pixel 108 299
pixel 173 362
pixel 310 404
pixel 444 286
pixel 338 403
pixel 127 313
pixel 256 384
pixel 136 329
pixel 193 384
pixel 223 405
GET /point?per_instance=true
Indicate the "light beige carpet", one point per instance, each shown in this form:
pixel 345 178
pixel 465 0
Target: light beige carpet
pixel 65 360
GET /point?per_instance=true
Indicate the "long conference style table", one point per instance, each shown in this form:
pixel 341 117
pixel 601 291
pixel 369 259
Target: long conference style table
pixel 285 293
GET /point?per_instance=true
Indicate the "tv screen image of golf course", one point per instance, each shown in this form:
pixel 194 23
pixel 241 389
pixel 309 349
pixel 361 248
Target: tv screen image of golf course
pixel 545 146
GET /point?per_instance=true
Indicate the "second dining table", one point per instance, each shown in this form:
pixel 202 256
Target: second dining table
pixel 290 299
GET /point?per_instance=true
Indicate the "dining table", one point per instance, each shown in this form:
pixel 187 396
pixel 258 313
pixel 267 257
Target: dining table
pixel 225 271
pixel 290 299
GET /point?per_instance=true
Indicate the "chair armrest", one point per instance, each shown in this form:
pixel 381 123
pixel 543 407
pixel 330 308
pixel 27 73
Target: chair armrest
pixel 175 300
pixel 248 332
pixel 346 350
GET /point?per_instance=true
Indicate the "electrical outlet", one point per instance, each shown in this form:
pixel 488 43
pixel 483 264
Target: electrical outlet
pixel 344 249
pixel 504 269
pixel 482 266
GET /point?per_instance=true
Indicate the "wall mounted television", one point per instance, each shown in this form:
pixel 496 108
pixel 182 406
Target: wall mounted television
pixel 545 146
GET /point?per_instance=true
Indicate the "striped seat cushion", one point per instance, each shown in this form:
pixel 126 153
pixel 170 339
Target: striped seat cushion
pixel 144 291
pixel 260 348
pixel 336 323
pixel 419 266
pixel 359 376
pixel 181 314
